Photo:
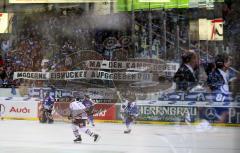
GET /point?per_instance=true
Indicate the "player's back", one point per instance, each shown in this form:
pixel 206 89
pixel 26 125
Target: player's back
pixel 78 110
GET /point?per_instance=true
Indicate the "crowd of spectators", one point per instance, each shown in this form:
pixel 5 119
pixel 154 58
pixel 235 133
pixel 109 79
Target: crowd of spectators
pixel 6 70
pixel 61 40
pixel 6 74
pixel 56 41
pixel 231 15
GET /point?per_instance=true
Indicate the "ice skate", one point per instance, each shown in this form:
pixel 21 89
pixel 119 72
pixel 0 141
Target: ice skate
pixel 127 131
pixel 78 139
pixel 96 137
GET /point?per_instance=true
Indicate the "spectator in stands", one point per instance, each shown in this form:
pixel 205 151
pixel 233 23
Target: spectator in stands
pixel 218 80
pixel 68 62
pixel 5 46
pixel 45 65
pixel 185 77
pixel 9 72
pixel 236 86
pixel 1 61
pixel 3 76
pixel 210 68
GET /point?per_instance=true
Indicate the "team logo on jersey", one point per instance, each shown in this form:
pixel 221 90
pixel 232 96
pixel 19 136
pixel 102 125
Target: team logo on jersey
pixel 210 113
pixel 2 109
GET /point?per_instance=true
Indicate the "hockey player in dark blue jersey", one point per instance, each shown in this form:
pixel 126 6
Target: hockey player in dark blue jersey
pixel 46 109
pixel 88 103
pixel 129 112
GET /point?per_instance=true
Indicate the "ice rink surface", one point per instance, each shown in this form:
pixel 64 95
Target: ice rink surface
pixel 33 137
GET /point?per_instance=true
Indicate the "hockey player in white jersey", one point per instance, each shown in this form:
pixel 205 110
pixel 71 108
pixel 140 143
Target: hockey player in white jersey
pixel 79 117
pixel 129 112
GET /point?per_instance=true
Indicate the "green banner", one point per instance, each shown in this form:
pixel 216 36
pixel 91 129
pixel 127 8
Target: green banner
pixel 126 5
pixel 166 113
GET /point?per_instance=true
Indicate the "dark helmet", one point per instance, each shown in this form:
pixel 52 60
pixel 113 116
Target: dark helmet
pixel 131 98
pixel 221 59
pixel 47 93
pixel 77 99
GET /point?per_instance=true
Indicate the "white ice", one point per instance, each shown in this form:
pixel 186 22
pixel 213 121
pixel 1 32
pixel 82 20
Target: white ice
pixel 33 137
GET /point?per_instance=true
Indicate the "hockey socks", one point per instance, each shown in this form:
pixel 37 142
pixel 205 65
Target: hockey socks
pixel 76 134
pixel 88 132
